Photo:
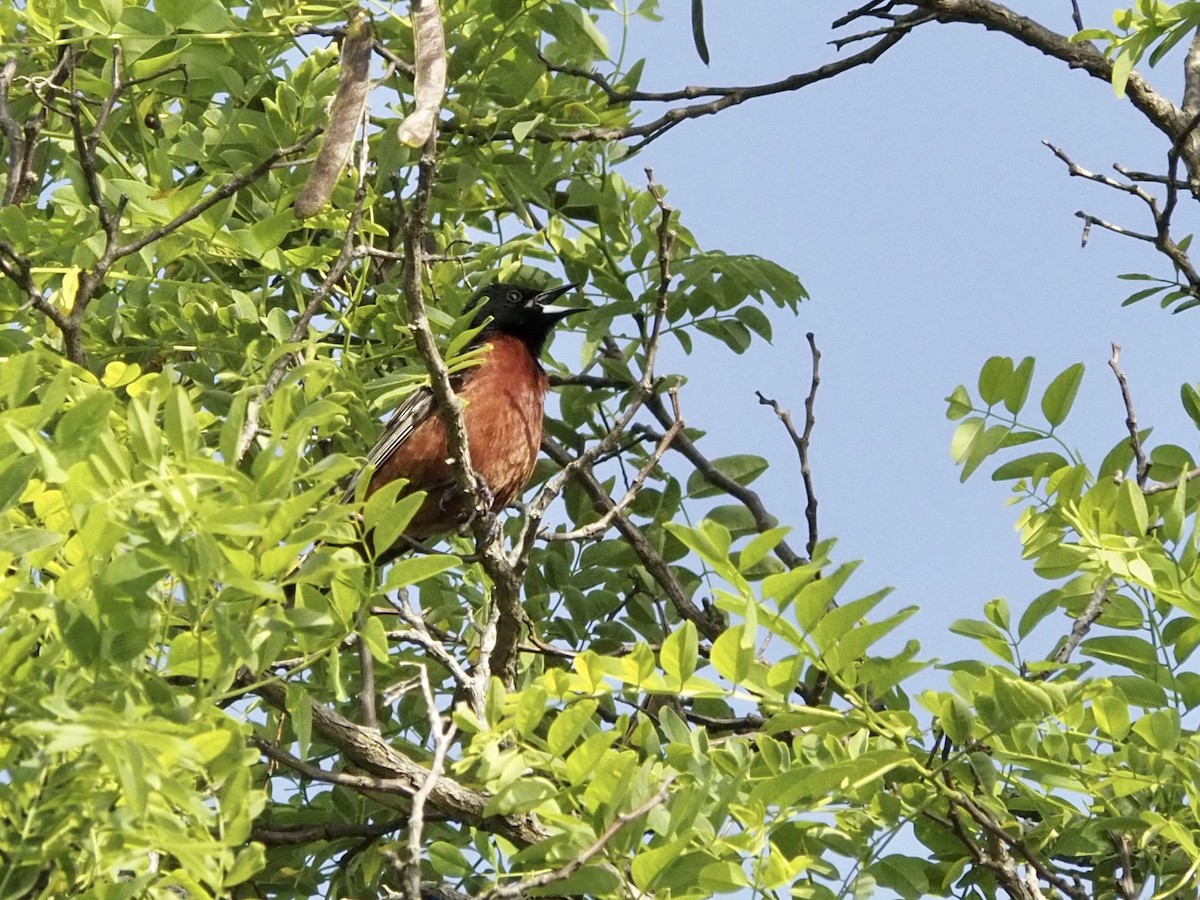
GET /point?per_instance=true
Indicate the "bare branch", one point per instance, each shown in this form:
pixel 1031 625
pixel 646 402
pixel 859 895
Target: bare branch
pixel 1006 840
pixel 1076 16
pixel 763 520
pixel 1135 442
pixel 1190 475
pixel 724 97
pixel 1160 111
pixel 441 735
pixel 1083 622
pixel 1089 220
pixel 12 131
pixel 708 622
pixel 419 633
pixel 1148 177
pixel 605 521
pixel 803 441
pixel 1191 77
pixel 284 835
pixel 366 675
pixel 392 771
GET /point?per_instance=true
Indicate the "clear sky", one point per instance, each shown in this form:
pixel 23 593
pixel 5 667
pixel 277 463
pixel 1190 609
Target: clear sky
pixel 916 203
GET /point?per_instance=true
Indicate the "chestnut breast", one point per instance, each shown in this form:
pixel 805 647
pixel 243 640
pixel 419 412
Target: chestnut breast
pixel 504 399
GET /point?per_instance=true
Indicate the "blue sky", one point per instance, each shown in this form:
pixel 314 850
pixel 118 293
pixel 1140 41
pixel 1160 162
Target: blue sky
pixel 917 204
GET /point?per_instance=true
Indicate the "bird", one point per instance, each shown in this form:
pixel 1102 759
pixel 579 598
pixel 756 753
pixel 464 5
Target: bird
pixel 503 406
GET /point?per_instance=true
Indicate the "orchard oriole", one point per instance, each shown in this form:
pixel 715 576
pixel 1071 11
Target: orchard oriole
pixel 503 399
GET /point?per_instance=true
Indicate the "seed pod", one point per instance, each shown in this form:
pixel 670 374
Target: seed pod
pixel 429 83
pixel 698 30
pixel 345 115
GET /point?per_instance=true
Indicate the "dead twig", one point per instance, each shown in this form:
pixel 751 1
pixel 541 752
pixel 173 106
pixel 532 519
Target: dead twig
pixel 1083 622
pixel 1135 442
pixel 605 521
pixel 803 441
pixel 441 735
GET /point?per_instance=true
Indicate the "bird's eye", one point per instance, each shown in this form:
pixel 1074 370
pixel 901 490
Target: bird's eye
pixel 513 296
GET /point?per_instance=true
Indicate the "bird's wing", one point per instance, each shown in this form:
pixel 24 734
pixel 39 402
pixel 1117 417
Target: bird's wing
pixel 415 409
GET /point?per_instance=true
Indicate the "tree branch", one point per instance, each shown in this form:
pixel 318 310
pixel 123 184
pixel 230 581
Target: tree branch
pixel 392 771
pixel 1135 442
pixel 803 441
pixel 441 735
pixel 708 622
pixel 1161 112
pixel 1083 622
pixel 565 871
pixel 602 524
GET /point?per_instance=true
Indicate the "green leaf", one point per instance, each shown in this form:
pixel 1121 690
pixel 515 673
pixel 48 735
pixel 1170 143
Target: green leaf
pixel 447 860
pixel 957 719
pixel 1190 398
pixel 386 517
pixel 730 656
pixel 299 707
pixel 997 612
pixel 743 469
pixel 995 379
pixel 977 629
pixel 415 569
pixel 569 724
pixel 375 637
pixel 1033 464
pixel 983 445
pixel 1060 395
pixel 1121 68
pixel 679 653
pixel 1112 715
pixel 963 437
pixel 1132 514
pixel 1018 386
pixel 21 541
pixel 760 546
pixel 1160 729
pixel 179 422
pixel 958 404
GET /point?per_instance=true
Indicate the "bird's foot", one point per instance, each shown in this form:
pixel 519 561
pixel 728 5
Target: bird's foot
pixel 485 493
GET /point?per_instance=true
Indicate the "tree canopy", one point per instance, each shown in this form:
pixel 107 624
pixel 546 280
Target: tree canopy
pixel 233 236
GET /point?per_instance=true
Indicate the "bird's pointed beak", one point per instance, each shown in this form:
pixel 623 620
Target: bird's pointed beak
pixel 546 299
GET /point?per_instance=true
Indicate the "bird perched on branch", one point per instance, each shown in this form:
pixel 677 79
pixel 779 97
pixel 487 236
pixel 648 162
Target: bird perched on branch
pixel 503 399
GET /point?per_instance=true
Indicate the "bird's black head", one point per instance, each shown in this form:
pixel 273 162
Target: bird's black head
pixel 522 312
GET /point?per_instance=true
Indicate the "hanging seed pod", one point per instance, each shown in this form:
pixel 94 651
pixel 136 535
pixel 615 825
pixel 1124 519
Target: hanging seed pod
pixel 345 116
pixel 429 84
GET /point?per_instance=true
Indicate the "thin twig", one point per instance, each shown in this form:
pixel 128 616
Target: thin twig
pixel 1161 487
pixel 1135 442
pixel 525 885
pixel 708 622
pixel 441 737
pixel 1083 622
pixel 763 520
pixel 345 256
pixel 392 770
pixel 605 521
pixel 643 392
pixel 725 97
pixel 419 633
pixel 303 833
pixel 803 441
